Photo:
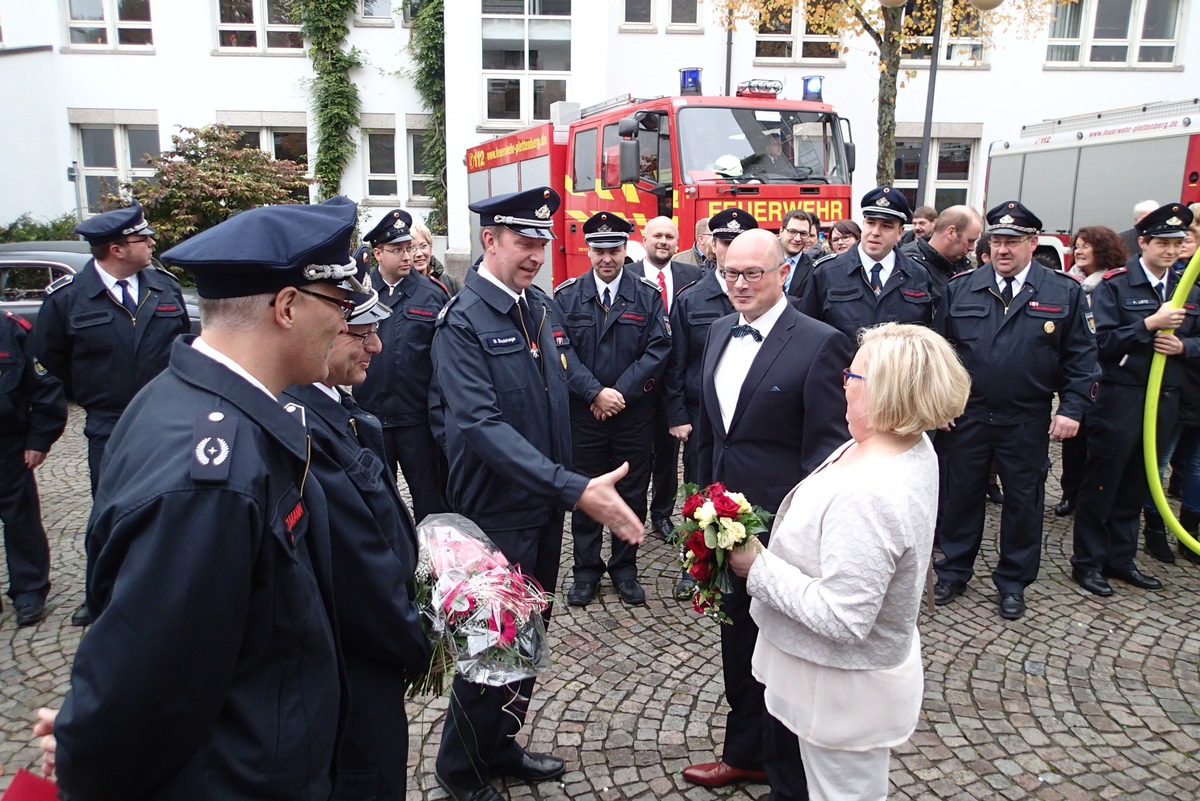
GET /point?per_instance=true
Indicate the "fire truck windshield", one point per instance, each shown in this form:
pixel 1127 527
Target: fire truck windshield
pixel 761 145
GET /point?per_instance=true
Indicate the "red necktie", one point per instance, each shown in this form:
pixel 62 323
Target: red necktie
pixel 662 289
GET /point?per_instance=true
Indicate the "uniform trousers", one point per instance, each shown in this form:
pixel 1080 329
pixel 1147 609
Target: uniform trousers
pixel 25 544
pixel 482 722
pixel 837 775
pixel 96 445
pixel 1021 454
pixel 665 473
pixel 1074 462
pixel 423 464
pixel 601 446
pixel 1108 510
pixel 690 468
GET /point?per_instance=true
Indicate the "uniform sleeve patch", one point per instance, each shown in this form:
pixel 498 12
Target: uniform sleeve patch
pixel 212 449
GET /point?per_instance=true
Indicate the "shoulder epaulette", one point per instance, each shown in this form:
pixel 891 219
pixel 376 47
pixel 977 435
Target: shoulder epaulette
pixel 446 309
pixel 652 284
pixel 688 285
pixel 438 283
pixel 825 258
pixel 60 283
pixel 1115 272
pixel 165 272
pixel 567 283
pixel 960 275
pixel 19 320
pixel 213 440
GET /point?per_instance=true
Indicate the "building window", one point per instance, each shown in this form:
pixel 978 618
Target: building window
pixel 791 35
pixel 526 57
pixel 282 144
pixel 112 155
pixel 639 12
pixel 962 40
pixel 258 25
pixel 684 12
pixel 420 175
pixel 381 164
pixel 375 9
pixel 109 23
pixel 1141 33
pixel 950 183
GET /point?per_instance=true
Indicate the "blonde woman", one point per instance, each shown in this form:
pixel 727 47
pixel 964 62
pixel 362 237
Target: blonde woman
pixel 836 595
pixel 426 263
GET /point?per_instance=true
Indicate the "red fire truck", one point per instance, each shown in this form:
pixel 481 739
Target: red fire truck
pixel 1091 169
pixel 684 157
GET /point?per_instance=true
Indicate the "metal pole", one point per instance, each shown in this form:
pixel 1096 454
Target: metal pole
pixel 923 164
pixel 728 54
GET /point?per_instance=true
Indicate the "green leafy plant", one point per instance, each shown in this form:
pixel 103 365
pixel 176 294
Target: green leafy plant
pixel 427 45
pixel 27 229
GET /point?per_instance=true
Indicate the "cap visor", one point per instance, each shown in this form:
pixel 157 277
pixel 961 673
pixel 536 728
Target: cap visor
pixel 371 311
pixel 533 233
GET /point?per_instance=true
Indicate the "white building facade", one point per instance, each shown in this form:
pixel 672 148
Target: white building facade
pixel 91 84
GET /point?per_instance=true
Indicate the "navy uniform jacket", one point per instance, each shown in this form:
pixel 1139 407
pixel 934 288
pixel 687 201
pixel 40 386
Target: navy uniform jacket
pixel 1018 361
pixel 211 671
pixel 625 348
pixel 374 547
pixel 1121 303
pixel 506 418
pixel 684 273
pixel 696 308
pixel 397 386
pixel 939 268
pixel 33 408
pixel 790 415
pixel 840 294
pixel 102 355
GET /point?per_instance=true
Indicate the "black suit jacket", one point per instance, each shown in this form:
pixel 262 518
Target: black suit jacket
pixel 684 274
pixel 791 413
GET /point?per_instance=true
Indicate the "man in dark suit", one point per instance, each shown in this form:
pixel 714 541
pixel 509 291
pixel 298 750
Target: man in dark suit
pixel 771 410
pixel 1130 237
pixel 795 232
pixel 660 237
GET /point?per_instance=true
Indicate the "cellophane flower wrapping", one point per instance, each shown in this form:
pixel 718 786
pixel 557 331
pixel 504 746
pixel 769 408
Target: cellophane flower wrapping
pixel 482 614
pixel 715 521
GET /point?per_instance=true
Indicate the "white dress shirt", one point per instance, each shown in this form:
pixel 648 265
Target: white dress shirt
pixel 652 274
pixel 734 363
pixel 110 283
pixel 1018 280
pixel 888 262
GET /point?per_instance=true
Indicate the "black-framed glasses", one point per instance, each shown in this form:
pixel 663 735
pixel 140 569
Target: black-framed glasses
pixel 397 251
pixel 347 306
pixel 364 337
pixel 847 375
pixel 137 241
pixel 752 276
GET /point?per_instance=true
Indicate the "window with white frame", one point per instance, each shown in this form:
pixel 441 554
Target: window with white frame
pixel 949 181
pixel 639 12
pixel 961 42
pixel 109 24
pixel 1115 33
pixel 382 180
pixel 375 9
pixel 283 144
pixel 258 25
pixel 420 175
pixel 526 58
pixel 112 155
pixel 684 12
pixel 793 35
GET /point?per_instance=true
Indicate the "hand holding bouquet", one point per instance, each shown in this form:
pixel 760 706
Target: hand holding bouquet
pixel 715 521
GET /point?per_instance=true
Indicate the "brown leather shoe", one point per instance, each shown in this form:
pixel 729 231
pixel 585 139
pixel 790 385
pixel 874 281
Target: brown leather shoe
pixel 718 774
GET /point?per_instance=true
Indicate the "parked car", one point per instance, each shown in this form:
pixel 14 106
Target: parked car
pixel 27 268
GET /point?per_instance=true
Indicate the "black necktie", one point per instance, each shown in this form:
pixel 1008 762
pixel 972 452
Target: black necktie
pixel 1006 294
pixel 1161 289
pixel 747 330
pixel 126 298
pixel 606 300
pixel 876 284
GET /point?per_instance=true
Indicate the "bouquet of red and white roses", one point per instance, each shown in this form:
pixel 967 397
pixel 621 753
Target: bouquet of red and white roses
pixel 715 521
pixel 483 615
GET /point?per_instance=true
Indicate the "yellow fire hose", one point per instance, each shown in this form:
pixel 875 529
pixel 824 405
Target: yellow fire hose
pixel 1150 419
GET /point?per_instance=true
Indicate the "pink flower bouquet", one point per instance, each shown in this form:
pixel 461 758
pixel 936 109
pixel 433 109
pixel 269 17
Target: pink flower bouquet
pixel 483 615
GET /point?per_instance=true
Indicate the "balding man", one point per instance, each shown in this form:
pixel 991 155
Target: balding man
pixel 944 253
pixel 771 410
pixel 696 254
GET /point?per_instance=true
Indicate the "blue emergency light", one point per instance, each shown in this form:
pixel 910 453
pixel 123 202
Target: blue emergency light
pixel 689 80
pixel 812 87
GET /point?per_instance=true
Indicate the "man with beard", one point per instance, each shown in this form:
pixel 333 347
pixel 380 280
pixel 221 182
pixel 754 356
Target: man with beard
pixel 944 253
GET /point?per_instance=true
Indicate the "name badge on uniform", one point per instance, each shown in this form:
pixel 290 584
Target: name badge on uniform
pixel 212 450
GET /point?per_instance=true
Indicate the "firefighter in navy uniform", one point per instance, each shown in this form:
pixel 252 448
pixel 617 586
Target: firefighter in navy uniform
pixel 397 386
pixel 107 331
pixel 501 364
pixel 1024 333
pixel 616 326
pixel 1131 321
pixel 374 549
pixel 212 668
pixel 33 414
pixel 874 282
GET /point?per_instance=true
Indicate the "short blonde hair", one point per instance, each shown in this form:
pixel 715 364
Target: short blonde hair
pixel 421 231
pixel 914 381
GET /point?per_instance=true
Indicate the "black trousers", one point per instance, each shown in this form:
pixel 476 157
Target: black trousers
pixel 482 722
pixel 781 758
pixel 1074 462
pixel 1109 507
pixel 599 447
pixel 423 464
pixel 96 445
pixel 1021 453
pixel 665 473
pixel 25 544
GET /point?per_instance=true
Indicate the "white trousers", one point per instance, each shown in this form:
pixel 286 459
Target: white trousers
pixel 837 775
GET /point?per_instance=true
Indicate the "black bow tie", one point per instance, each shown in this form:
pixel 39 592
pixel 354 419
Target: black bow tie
pixel 747 330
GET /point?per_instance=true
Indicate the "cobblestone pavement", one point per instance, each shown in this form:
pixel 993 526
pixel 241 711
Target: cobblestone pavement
pixel 1083 698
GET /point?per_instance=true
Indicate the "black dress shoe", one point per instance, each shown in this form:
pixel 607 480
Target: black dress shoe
pixel 1064 507
pixel 28 614
pixel 1012 605
pixel 685 588
pixel 631 592
pixel 664 530
pixel 946 591
pixel 1135 577
pixel 582 593
pixel 1093 582
pixel 484 793
pixel 1188 554
pixel 532 767
pixel 994 494
pixel 82 616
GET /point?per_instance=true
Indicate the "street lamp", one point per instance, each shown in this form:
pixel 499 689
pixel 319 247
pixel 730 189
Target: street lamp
pixel 981 5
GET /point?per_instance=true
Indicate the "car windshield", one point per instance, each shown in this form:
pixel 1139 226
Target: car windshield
pixel 760 145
